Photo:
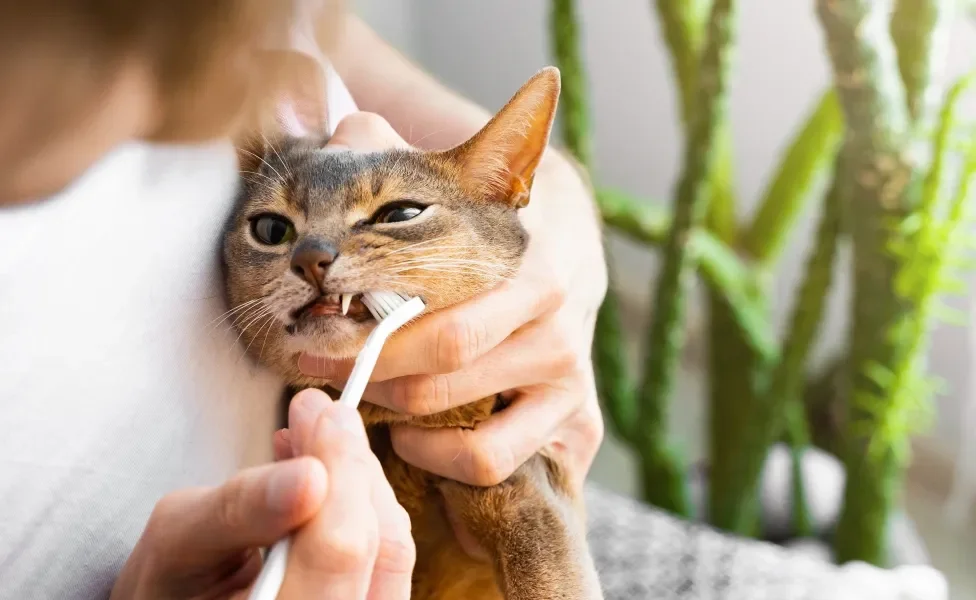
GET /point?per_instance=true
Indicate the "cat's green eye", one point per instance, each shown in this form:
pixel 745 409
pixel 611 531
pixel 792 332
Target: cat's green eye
pixel 398 212
pixel 272 230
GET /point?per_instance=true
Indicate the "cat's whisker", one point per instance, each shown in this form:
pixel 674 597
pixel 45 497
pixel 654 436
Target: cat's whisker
pixel 432 133
pixel 251 311
pixel 269 165
pixel 445 264
pixel 426 273
pixel 228 313
pixel 269 320
pixel 451 263
pixel 486 276
pixel 242 313
pixel 244 328
pixel 417 244
pixel 247 318
pixel 266 186
pixel 275 150
pixel 450 260
pixel 461 251
pixel 264 343
pixel 259 174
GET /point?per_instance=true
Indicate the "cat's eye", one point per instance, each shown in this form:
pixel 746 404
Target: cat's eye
pixel 398 212
pixel 272 230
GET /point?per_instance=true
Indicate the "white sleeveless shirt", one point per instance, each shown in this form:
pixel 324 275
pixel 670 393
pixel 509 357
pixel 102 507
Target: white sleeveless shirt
pixel 118 381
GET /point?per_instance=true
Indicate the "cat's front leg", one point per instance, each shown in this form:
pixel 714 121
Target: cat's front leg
pixel 532 528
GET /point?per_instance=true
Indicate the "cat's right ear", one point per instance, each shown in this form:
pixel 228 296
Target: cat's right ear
pixel 500 161
pixel 296 108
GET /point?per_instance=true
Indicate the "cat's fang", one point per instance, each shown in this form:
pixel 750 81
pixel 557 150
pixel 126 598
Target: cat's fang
pixel 346 301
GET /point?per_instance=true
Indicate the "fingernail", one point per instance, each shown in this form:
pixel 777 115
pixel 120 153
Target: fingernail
pixel 309 404
pixel 286 486
pixel 316 366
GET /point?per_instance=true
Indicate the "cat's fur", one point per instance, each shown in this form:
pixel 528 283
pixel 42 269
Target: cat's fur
pixel 531 526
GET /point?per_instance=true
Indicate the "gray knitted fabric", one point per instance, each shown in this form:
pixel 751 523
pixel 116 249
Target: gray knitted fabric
pixel 645 554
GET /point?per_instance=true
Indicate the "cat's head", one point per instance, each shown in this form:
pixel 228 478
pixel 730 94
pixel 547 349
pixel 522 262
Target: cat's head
pixel 313 223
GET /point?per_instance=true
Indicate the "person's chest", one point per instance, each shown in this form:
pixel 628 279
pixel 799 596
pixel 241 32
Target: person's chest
pixel 121 378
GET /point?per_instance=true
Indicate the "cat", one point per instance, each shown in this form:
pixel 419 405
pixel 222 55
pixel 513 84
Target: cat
pixel 314 223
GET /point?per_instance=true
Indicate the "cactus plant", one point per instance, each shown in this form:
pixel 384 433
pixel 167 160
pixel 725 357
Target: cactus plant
pixel 874 136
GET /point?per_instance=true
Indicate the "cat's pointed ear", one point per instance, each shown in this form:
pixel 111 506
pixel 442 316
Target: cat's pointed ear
pixel 500 161
pixel 296 109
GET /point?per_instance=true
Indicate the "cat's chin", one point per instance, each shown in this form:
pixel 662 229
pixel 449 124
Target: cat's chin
pixel 333 338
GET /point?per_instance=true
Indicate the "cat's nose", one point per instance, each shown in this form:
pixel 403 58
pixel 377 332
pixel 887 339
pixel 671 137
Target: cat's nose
pixel 311 259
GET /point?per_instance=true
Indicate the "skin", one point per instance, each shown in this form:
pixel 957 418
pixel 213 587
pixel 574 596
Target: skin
pixel 533 334
pixel 352 539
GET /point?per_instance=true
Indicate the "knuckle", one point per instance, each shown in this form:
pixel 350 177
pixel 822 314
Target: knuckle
pixel 592 430
pixel 460 342
pixel 552 297
pixel 347 547
pixel 565 362
pixel 368 122
pixel 231 511
pixel 166 509
pixel 490 464
pixel 561 352
pixel 397 554
pixel 426 395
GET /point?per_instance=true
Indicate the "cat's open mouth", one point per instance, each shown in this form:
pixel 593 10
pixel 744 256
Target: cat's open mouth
pixel 348 306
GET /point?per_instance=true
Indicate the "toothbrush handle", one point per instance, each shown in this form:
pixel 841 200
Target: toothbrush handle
pixel 268 583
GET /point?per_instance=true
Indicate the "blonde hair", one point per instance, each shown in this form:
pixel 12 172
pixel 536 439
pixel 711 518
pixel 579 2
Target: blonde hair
pixel 203 57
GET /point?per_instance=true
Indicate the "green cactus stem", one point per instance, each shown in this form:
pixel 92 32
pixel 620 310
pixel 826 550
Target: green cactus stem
pixel 779 405
pixel 921 32
pixel 664 479
pixel 808 157
pixel 721 268
pixel 613 380
pixel 682 24
pixel 873 101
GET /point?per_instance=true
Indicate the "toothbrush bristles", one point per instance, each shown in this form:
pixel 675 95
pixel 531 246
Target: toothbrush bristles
pixel 382 303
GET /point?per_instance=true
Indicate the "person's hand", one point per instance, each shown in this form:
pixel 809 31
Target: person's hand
pixel 529 338
pixel 352 539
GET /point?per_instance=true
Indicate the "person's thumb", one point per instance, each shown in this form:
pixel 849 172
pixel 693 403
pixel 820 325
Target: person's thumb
pixel 254 509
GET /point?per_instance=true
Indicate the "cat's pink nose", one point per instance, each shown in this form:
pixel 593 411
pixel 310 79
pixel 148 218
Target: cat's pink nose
pixel 311 259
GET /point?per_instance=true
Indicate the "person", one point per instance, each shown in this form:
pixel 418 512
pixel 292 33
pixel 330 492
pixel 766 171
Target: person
pixel 136 459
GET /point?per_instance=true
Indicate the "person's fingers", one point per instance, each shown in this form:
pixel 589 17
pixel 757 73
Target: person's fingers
pixel 576 442
pixel 397 553
pixel 366 132
pixel 282 445
pixel 449 340
pixel 545 354
pixel 488 454
pixel 256 508
pixel 333 555
pixel 304 411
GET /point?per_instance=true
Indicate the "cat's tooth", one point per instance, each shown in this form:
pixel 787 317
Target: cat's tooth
pixel 346 301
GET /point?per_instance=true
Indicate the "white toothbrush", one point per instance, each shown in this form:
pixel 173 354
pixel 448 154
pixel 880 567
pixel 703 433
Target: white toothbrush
pixel 392 311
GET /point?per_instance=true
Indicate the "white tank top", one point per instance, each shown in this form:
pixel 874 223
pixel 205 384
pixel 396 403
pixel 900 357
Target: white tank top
pixel 118 381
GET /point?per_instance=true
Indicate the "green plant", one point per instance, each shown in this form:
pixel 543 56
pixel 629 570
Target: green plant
pixel 902 215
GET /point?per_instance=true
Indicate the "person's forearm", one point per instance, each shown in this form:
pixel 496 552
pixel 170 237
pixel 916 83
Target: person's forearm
pixel 383 81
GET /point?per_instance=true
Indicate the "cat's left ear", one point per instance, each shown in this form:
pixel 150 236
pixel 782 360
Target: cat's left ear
pixel 500 161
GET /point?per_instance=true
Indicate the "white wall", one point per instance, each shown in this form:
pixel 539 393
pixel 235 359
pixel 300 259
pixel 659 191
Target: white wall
pixel 487 49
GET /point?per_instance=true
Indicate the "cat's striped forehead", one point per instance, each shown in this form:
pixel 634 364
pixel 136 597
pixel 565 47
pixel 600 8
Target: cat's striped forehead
pixel 321 185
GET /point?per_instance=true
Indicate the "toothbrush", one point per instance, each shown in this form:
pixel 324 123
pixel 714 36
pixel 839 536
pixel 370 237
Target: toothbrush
pixel 391 311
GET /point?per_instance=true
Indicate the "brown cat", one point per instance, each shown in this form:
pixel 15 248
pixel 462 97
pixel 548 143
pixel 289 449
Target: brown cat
pixel 313 224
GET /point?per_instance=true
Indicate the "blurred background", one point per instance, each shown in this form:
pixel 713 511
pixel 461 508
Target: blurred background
pixel 486 50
